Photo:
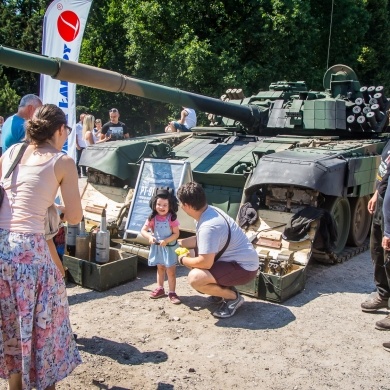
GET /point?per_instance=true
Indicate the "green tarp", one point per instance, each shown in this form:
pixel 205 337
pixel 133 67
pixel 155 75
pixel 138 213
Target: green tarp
pixel 113 158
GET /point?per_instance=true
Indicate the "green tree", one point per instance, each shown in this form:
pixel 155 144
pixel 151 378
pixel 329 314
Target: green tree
pixel 21 28
pixel 104 46
pixel 218 45
pixel 373 60
pixel 9 99
pixel 206 47
pixel 342 33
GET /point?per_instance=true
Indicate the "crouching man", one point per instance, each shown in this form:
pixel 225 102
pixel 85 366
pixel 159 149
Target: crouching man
pixel 225 257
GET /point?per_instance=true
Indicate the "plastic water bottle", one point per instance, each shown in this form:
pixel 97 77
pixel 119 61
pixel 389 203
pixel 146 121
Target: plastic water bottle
pixel 103 241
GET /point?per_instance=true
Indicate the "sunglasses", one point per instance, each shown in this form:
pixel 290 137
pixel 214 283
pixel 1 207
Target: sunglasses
pixel 68 129
pixel 113 110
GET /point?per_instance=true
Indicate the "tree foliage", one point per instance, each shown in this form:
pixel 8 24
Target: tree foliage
pixel 206 47
pixel 21 28
pixel 8 97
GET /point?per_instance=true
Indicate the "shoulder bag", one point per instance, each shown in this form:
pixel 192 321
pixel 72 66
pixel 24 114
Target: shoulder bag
pixel 220 253
pixel 10 170
pixel 52 222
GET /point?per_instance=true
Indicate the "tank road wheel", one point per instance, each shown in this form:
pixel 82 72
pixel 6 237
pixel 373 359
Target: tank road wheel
pixel 341 212
pixel 360 221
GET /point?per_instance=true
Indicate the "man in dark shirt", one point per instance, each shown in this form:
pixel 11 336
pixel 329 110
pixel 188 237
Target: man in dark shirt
pixel 114 128
pixel 380 299
pixel 385 323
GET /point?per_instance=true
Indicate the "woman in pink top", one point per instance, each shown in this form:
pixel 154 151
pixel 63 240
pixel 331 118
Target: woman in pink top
pixel 37 348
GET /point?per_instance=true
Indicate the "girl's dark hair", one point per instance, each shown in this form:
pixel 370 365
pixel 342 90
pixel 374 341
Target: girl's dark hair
pixel 46 120
pixel 172 202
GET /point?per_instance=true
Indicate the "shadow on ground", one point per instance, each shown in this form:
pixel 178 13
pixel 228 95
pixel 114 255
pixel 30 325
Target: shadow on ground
pixel 160 386
pixel 340 278
pixel 122 353
pixel 272 316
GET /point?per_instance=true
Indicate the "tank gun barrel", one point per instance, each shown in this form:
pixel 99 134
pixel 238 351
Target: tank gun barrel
pixel 89 76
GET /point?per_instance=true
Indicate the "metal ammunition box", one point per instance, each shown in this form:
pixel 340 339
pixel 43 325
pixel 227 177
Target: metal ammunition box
pixel 276 288
pixel 121 268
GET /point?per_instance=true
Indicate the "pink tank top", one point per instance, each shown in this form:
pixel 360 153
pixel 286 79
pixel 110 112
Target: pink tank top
pixel 29 191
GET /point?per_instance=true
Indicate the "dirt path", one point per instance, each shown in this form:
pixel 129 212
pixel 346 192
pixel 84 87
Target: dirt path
pixel 318 339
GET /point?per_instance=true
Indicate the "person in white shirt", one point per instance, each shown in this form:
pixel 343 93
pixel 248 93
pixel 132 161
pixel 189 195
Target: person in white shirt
pixel 97 130
pixel 80 146
pixel 185 123
pixel 225 256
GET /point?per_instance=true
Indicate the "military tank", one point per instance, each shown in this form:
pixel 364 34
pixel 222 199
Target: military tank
pixel 281 150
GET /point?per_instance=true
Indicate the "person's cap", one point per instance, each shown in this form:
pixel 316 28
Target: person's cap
pixel 114 110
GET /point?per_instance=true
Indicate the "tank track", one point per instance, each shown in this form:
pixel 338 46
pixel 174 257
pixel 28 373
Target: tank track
pixel 346 254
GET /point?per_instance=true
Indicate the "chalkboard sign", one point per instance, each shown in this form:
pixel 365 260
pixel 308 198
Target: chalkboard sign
pixel 155 173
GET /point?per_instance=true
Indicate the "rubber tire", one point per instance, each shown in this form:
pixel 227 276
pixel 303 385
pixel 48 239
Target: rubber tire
pixel 360 221
pixel 341 212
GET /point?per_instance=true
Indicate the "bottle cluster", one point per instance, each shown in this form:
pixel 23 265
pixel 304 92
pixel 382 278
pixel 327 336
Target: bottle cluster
pixel 94 247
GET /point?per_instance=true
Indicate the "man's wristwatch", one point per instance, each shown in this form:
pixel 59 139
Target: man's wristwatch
pixel 181 259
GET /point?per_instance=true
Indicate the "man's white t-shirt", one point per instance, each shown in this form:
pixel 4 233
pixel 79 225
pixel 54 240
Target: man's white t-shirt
pixel 190 120
pixel 79 135
pixel 212 233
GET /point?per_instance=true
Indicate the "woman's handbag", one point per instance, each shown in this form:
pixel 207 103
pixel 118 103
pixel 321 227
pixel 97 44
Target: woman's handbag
pixel 10 170
pixel 52 222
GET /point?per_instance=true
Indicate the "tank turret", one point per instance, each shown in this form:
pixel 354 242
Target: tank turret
pixel 343 109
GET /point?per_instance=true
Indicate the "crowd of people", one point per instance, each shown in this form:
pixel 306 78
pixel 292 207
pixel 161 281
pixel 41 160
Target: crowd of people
pixel 90 131
pixel 12 130
pixel 37 348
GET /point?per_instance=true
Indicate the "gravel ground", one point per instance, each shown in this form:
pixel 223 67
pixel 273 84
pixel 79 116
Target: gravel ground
pixel 318 339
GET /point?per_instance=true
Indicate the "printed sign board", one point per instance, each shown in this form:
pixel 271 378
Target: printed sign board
pixel 156 173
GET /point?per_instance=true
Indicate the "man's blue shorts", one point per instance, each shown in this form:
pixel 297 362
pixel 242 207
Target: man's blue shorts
pixel 180 127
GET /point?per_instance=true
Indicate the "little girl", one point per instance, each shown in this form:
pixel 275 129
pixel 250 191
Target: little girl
pixel 162 230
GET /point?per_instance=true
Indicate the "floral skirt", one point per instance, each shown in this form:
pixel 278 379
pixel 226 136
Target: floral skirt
pixel 37 339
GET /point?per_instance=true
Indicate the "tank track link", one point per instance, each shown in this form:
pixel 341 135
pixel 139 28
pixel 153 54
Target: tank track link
pixel 346 254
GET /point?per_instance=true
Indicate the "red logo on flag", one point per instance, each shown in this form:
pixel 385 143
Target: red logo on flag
pixel 68 25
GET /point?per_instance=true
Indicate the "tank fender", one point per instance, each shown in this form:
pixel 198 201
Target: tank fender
pixel 322 173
